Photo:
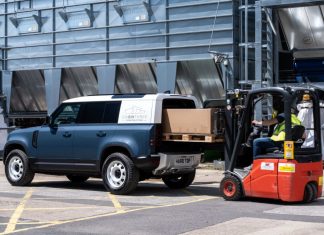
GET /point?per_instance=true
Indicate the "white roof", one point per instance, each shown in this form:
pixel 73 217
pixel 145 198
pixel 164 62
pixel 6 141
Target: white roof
pixel 118 97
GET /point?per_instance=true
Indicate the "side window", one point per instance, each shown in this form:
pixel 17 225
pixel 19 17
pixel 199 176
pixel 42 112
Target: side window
pixel 112 112
pixel 306 116
pixel 91 112
pixel 67 114
pixel 178 104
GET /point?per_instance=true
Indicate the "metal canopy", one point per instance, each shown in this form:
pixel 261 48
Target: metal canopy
pixel 289 3
pixel 201 79
pixel 304 30
pixel 77 82
pixel 136 78
pixel 28 92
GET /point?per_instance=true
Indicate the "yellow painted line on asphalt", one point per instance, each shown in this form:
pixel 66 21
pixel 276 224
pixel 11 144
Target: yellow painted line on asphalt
pixel 189 193
pixel 18 212
pixel 109 215
pixel 54 208
pixel 116 203
pixel 197 196
pixel 32 223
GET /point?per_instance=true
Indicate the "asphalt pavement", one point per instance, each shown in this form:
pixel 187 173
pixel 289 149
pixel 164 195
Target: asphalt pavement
pixel 52 205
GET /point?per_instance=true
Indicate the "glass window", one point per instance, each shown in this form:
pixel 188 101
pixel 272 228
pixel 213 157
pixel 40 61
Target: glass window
pixel 112 112
pixel 178 104
pixel 67 114
pixel 92 112
pixel 306 116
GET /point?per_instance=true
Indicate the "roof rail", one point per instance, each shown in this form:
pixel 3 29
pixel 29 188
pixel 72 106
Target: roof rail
pixel 122 94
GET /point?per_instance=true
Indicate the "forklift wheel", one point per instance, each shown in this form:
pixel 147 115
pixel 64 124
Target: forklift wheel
pixel 231 188
pixel 310 193
pixel 315 191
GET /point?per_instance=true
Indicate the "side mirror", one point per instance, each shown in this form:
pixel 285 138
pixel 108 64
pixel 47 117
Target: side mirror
pixel 49 122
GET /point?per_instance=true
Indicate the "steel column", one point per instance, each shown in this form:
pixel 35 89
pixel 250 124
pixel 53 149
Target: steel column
pixel 106 79
pixel 276 44
pixel 54 35
pixel 258 55
pixel 6 86
pixel 52 87
pixel 5 50
pixel 258 45
pixel 246 40
pixel 166 76
pixel 3 130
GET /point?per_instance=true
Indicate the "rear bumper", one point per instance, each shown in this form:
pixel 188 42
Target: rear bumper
pixel 175 163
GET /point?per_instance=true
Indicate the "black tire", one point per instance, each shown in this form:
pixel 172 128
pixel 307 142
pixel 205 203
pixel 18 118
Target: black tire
pixel 231 188
pixel 179 181
pixel 315 191
pixel 120 175
pixel 17 168
pixel 308 193
pixel 77 179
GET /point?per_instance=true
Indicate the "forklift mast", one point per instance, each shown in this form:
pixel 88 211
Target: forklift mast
pixel 235 107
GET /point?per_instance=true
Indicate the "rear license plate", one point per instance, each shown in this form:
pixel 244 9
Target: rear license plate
pixel 184 161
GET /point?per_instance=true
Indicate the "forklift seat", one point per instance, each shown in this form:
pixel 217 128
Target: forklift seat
pixel 297 133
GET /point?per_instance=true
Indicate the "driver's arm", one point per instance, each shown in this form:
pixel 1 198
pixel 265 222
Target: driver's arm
pixel 265 122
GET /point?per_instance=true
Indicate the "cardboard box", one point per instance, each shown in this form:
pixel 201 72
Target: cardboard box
pixel 188 121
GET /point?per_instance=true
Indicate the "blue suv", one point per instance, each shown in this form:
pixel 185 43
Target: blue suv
pixel 115 137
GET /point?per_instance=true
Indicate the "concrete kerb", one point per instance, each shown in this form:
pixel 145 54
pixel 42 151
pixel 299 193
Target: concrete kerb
pixel 207 173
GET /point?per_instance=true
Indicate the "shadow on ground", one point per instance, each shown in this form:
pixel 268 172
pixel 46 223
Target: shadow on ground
pixel 318 202
pixel 144 188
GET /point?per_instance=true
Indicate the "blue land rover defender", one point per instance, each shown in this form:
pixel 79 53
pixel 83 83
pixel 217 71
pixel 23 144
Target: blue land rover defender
pixel 116 137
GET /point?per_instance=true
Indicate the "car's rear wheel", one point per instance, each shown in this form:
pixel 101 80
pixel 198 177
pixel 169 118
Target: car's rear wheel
pixel 119 174
pixel 179 181
pixel 17 168
pixel 77 179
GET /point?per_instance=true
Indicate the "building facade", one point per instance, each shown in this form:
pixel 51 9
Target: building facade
pixel 53 50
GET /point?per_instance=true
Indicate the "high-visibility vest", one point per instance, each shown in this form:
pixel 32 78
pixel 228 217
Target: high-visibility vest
pixel 279 133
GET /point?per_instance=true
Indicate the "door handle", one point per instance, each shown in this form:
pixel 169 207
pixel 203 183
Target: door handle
pixel 101 134
pixel 67 134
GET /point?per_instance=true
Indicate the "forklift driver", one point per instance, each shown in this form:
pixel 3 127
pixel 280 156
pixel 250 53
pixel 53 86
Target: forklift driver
pixel 261 144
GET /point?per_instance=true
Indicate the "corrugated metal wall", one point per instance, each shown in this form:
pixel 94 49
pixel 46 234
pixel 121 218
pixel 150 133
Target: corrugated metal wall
pixel 136 35
pixel 179 30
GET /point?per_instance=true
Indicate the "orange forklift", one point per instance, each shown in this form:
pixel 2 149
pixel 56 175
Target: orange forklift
pixel 291 172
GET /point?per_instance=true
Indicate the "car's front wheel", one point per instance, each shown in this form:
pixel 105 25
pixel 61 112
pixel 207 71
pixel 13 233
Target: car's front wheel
pixel 17 168
pixel 119 174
